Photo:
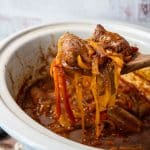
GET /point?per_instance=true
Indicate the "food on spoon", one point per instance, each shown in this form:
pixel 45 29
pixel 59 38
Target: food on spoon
pixel 98 61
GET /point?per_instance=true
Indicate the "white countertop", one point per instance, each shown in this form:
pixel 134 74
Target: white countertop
pixel 19 14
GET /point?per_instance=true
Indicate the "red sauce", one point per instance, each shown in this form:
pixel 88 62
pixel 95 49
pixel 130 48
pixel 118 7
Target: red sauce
pixel 38 101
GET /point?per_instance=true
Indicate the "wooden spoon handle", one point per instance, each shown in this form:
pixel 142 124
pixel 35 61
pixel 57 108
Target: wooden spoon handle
pixel 139 62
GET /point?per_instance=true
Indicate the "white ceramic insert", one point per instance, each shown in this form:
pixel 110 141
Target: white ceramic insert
pixel 20 59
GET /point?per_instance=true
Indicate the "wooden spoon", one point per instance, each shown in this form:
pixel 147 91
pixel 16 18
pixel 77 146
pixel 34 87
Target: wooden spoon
pixel 140 61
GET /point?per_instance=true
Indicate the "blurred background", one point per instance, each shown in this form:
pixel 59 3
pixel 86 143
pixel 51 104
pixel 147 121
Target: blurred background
pixel 19 14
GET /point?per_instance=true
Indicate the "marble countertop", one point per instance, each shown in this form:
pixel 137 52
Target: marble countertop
pixel 16 15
